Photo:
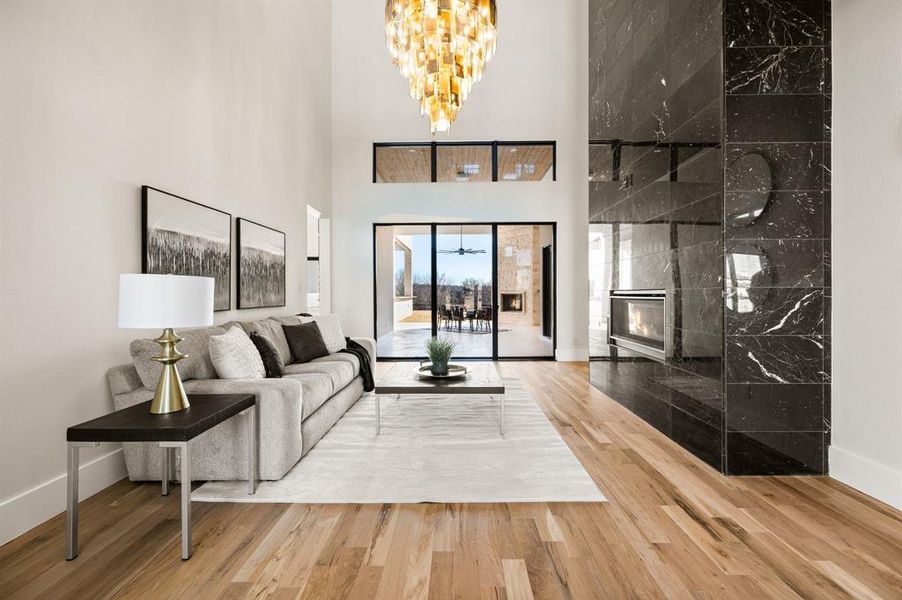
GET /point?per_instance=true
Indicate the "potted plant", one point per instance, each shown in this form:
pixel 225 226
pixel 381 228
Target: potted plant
pixel 439 353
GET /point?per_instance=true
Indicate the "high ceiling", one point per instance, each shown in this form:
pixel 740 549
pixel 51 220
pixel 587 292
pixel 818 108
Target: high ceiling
pixel 403 164
pixel 464 163
pixel 524 163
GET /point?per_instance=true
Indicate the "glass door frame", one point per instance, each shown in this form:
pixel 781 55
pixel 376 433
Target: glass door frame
pixel 433 227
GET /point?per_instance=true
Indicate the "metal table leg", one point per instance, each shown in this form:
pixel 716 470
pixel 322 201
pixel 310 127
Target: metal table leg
pixel 72 503
pixel 72 497
pixel 165 478
pixel 502 414
pixel 186 495
pixel 186 503
pixel 252 450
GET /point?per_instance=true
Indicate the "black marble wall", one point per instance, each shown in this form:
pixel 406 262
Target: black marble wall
pixel 777 235
pixel 656 205
pixel 709 129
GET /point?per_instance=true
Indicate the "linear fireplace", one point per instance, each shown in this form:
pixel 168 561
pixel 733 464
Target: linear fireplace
pixel 638 322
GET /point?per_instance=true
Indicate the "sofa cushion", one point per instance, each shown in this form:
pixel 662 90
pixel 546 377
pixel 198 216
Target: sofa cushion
pixel 229 324
pixel 289 320
pixel 235 356
pixel 272 330
pixel 196 366
pixel 124 379
pixel 341 373
pixel 345 357
pixel 315 390
pixel 330 328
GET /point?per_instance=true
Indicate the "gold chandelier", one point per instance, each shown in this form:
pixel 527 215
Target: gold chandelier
pixel 441 47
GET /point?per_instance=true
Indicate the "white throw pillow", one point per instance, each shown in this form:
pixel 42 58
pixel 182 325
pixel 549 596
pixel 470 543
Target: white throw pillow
pixel 330 329
pixel 234 356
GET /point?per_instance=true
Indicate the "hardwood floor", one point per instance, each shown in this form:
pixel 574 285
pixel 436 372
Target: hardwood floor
pixel 672 528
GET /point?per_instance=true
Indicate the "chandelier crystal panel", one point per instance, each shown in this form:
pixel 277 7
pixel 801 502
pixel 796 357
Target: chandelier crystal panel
pixel 441 48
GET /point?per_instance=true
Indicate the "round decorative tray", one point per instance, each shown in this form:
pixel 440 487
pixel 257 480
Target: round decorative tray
pixel 454 372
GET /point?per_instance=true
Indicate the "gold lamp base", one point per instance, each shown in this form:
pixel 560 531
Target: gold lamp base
pixel 170 395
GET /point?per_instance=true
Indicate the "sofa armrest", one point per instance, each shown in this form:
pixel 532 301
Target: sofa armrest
pixel 124 379
pixel 370 345
pixel 279 412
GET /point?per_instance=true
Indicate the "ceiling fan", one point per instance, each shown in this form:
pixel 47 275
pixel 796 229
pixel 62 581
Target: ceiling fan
pixel 461 251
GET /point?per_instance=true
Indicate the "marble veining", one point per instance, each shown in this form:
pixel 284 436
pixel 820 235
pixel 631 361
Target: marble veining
pixel 774 22
pixel 778 312
pixel 656 204
pixel 775 118
pixel 775 359
pixel 781 215
pixel 795 166
pixel 774 263
pixel 709 179
pixel 782 70
pixel 777 123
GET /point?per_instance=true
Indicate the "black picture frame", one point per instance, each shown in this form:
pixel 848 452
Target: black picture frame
pixel 252 292
pixel 211 261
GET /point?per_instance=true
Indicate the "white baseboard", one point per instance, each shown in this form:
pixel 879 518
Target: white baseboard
pixel 874 479
pixel 33 507
pixel 572 354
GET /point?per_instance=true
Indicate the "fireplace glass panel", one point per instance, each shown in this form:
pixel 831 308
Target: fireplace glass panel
pixel 640 320
pixel 511 302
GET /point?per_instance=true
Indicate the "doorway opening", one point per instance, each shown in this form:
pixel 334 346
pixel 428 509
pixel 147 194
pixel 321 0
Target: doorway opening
pixel 314 282
pixel 488 287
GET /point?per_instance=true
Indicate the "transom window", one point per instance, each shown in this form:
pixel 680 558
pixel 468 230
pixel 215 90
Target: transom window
pixel 464 162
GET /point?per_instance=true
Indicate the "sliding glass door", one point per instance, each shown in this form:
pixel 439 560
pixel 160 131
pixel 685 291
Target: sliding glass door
pixel 464 282
pixel 488 287
pixel 403 307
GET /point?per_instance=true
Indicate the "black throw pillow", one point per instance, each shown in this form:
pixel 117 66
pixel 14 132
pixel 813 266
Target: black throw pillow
pixel 272 361
pixel 305 342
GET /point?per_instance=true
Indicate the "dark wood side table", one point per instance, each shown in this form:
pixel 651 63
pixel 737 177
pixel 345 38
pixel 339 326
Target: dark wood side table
pixel 173 430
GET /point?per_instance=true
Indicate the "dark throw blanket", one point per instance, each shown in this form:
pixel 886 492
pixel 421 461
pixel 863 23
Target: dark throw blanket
pixel 366 369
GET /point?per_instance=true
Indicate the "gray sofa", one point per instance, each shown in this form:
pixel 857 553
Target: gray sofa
pixel 293 412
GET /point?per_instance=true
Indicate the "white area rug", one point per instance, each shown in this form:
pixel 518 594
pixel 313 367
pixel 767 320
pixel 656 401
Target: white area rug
pixel 431 449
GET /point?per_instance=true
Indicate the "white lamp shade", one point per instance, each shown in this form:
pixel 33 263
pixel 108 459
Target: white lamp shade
pixel 164 301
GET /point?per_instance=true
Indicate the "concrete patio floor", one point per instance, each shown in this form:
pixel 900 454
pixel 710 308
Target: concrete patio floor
pixel 512 342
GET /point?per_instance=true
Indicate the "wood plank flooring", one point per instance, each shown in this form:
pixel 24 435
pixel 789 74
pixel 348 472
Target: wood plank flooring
pixel 673 528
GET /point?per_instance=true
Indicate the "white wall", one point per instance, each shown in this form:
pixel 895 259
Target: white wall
pixel 224 103
pixel 535 87
pixel 866 447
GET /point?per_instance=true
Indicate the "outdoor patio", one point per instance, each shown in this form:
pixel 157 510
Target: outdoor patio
pixel 515 341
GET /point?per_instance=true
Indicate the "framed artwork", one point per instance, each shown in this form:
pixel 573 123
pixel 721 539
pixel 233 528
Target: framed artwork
pixel 261 266
pixel 182 237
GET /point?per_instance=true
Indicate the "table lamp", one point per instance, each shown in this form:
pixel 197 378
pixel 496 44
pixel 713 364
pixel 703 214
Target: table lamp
pixel 166 302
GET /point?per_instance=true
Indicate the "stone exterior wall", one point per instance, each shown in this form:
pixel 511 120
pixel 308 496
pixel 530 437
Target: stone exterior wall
pixel 520 272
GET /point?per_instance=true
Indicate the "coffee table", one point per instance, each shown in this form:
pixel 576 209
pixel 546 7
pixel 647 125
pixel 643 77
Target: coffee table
pixel 402 380
pixel 172 431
